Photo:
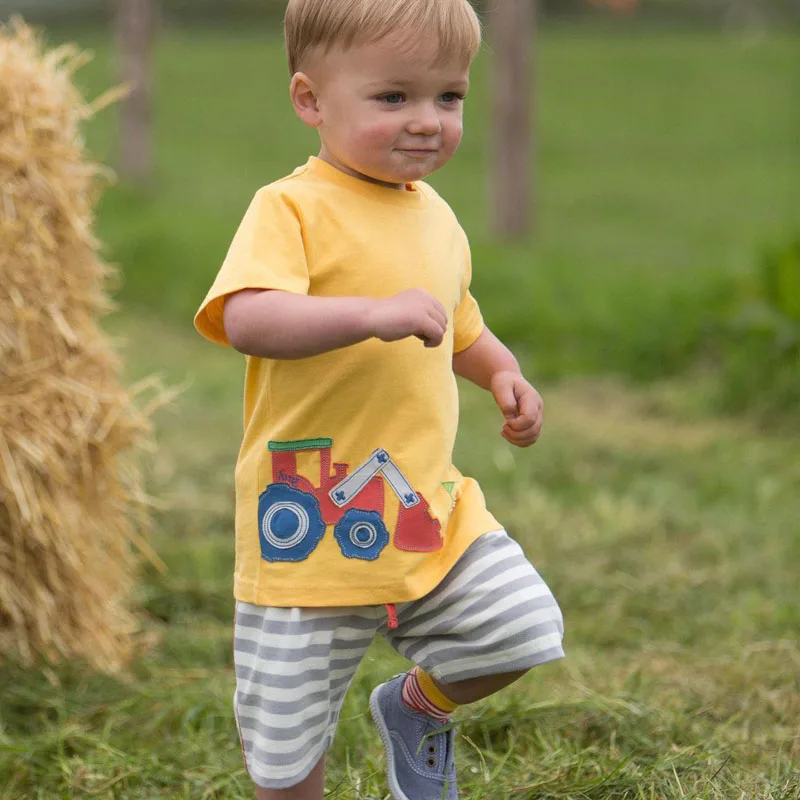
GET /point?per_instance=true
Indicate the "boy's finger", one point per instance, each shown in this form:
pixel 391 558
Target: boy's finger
pixel 431 332
pixel 519 440
pixel 521 423
pixel 530 403
pixel 529 434
pixel 440 315
pixel 506 399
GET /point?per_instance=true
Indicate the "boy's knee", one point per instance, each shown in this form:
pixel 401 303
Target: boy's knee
pixel 312 787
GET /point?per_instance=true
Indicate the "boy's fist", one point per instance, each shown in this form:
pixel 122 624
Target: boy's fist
pixel 414 312
pixel 521 405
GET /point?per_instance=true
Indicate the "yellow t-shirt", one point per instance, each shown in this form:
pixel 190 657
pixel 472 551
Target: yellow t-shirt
pixel 345 489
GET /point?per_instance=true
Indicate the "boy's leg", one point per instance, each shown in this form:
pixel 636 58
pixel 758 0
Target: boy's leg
pixel 312 788
pixel 487 623
pixel 293 668
pixel 474 689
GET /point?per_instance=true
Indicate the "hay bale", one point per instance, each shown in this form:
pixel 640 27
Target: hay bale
pixel 72 508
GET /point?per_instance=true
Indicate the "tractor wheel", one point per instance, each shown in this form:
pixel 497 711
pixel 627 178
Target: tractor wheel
pixel 361 534
pixel 290 523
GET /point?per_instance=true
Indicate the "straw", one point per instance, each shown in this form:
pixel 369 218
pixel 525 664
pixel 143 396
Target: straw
pixel 72 507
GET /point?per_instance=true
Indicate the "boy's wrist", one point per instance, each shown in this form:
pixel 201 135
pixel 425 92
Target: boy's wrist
pixel 507 367
pixel 356 318
pixel 513 369
pixel 503 374
pixel 367 314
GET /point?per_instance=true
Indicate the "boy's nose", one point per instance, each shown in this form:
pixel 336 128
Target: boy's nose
pixel 426 121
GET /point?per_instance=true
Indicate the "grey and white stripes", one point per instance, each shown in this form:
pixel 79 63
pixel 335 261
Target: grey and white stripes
pixel 492 613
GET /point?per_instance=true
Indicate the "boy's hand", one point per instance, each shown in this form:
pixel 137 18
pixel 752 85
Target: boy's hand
pixel 521 405
pixel 414 312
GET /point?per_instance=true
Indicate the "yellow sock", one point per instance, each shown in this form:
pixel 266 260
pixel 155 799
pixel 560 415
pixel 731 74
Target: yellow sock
pixel 421 694
pixel 434 693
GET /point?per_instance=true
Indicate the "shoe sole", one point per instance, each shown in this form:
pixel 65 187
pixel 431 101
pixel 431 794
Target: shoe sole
pixel 377 717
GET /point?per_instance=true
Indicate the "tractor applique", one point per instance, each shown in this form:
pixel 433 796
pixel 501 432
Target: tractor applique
pixel 293 513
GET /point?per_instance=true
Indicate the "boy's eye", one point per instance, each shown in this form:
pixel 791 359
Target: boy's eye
pixel 452 97
pixel 392 98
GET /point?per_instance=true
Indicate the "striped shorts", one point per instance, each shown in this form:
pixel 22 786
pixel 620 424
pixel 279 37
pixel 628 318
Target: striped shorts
pixel 492 613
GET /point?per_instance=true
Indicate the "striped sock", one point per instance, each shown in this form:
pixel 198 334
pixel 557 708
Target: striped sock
pixel 422 695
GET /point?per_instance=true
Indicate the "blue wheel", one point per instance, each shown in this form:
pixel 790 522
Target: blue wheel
pixel 290 523
pixel 361 534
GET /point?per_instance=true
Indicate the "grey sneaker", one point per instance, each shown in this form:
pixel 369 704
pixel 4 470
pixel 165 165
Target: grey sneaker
pixel 415 769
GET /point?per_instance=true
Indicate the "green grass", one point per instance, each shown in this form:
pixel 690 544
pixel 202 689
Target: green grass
pixel 669 535
pixel 665 164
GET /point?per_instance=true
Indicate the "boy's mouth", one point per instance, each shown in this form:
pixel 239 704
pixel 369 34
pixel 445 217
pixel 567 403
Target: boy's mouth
pixel 418 152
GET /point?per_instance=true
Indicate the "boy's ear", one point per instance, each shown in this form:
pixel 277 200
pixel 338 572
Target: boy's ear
pixel 304 99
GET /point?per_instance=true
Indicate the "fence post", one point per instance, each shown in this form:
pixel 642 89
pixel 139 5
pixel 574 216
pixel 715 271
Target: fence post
pixel 135 25
pixel 512 26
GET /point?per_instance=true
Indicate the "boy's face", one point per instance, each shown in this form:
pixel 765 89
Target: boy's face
pixel 386 111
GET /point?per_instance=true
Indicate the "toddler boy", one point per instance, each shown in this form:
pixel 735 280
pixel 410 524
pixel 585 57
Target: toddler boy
pixel 347 287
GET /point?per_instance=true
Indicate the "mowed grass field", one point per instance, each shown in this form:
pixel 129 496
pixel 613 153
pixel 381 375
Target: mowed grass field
pixel 665 164
pixel 669 533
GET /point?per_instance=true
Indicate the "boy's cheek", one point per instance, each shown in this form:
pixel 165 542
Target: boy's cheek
pixel 453 140
pixel 377 133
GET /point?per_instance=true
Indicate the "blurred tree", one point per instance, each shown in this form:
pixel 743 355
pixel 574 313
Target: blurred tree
pixel 617 6
pixel 246 12
pixel 135 32
pixel 511 33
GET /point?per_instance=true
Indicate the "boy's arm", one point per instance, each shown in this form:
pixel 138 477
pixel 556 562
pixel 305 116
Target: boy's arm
pixel 282 325
pixel 488 363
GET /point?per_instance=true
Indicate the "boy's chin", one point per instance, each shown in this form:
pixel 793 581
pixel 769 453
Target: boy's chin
pixel 395 175
pixel 403 174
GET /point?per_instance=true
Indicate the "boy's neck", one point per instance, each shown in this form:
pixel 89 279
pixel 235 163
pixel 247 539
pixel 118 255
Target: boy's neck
pixel 325 155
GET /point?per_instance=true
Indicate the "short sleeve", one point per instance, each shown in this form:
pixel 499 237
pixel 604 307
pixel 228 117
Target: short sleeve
pixel 468 324
pixel 267 252
pixel 467 320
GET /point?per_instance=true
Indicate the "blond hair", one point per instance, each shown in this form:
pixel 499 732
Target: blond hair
pixel 311 24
